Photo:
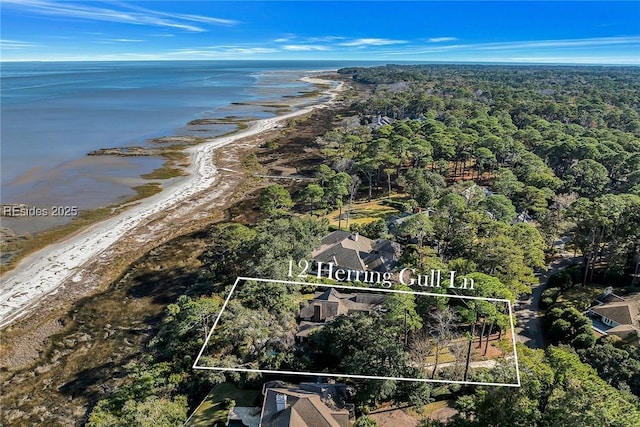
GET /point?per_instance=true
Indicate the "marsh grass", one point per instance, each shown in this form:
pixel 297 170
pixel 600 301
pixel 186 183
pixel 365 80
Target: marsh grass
pixel 23 247
pixel 169 168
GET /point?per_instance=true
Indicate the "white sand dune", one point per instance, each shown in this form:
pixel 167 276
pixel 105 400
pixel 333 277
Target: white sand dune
pixel 43 272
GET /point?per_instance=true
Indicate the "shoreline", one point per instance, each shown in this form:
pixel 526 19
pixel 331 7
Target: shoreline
pixel 46 271
pixel 71 178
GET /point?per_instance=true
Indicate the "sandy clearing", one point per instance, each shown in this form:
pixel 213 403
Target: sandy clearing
pixel 43 272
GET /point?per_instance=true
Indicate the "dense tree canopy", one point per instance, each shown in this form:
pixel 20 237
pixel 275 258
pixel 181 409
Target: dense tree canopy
pixel 530 137
pixel 557 389
pixel 497 163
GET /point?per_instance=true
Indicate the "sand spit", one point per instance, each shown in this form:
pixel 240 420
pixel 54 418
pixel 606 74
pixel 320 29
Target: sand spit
pixel 69 262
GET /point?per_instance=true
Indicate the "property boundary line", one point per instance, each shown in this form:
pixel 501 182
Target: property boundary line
pixel 370 377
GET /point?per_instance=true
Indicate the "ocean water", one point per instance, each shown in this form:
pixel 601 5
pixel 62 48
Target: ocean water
pixel 54 113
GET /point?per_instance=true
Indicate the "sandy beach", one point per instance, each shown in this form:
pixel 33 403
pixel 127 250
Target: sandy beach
pixel 70 262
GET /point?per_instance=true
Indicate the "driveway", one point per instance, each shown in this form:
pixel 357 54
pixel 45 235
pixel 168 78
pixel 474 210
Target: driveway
pixel 529 327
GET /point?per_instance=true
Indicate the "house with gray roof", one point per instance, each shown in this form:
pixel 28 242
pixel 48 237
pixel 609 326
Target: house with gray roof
pixel 326 306
pixel 306 405
pixel 354 252
pixel 329 304
pixel 618 316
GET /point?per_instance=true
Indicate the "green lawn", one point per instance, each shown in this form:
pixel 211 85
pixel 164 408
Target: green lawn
pixel 581 297
pixel 212 412
pixel 364 212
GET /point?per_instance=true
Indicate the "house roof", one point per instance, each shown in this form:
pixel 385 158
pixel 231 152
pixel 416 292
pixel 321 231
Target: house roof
pixel 340 235
pixel 303 409
pixel 335 303
pixel 622 312
pixel 355 252
pixel 373 299
pixel 624 331
pixel 384 245
pixel 611 297
pixel 623 328
pixel 344 257
pixel 374 262
pixel 328 295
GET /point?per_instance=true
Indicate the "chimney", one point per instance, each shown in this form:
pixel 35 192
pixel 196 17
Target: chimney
pixel 354 236
pixel 281 402
pixel 608 290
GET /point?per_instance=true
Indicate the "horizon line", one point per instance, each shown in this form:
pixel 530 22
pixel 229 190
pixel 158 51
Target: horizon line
pixel 399 62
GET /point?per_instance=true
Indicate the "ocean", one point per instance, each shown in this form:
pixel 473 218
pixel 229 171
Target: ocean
pixel 54 113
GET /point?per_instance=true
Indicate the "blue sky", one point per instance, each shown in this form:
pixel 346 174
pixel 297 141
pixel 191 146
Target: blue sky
pixel 481 31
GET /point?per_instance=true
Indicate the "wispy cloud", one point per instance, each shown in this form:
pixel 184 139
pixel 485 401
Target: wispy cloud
pixel 286 38
pixel 296 43
pixel 523 46
pixel 418 50
pixel 371 42
pixel 442 39
pixel 224 51
pixel 135 15
pixel 307 40
pixel 570 43
pixel 250 50
pixel 15 44
pixel 323 39
pixel 186 17
pixel 125 40
pixel 304 47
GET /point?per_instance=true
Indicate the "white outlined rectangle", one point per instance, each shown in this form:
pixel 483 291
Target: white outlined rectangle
pixel 325 374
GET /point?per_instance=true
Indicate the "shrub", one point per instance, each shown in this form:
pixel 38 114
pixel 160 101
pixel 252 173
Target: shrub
pixel 398 204
pixel 228 403
pixel 549 297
